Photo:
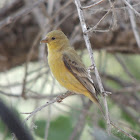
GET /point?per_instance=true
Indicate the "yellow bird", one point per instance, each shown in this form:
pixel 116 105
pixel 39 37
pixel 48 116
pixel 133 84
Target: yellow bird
pixel 67 66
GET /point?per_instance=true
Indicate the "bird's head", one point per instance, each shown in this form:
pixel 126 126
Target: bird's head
pixel 56 40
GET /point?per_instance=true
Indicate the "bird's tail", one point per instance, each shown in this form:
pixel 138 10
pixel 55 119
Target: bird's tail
pixel 96 101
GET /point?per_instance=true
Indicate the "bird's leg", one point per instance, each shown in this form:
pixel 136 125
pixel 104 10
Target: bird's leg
pixel 60 98
pixel 90 68
pixel 106 93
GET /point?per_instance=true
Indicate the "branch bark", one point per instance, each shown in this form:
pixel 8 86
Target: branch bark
pixel 88 45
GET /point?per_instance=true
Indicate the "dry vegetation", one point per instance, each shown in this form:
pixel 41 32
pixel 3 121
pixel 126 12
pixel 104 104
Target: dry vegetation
pixel 113 28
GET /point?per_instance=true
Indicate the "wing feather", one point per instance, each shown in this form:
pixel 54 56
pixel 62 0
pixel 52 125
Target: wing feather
pixel 77 68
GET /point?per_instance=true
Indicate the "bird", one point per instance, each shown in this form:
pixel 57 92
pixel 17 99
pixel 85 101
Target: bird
pixel 67 67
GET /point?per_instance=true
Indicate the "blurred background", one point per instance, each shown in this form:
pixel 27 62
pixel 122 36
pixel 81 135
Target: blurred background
pixel 26 82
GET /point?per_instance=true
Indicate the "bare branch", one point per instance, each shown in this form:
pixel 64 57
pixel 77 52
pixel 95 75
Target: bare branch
pixel 134 25
pixel 130 6
pixel 26 64
pixel 22 12
pixel 88 45
pixel 114 18
pixel 93 28
pixel 118 58
pixel 127 134
pixel 92 5
pixel 57 99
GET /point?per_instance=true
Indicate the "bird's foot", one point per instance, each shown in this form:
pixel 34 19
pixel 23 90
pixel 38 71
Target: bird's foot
pixel 90 68
pixel 106 93
pixel 60 100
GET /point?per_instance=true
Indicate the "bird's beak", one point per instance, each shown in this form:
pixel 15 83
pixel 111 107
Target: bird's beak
pixel 44 40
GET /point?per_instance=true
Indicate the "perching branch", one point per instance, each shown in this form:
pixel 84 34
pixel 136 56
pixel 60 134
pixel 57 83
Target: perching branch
pixel 57 99
pixel 88 45
pixel 134 25
pixel 130 6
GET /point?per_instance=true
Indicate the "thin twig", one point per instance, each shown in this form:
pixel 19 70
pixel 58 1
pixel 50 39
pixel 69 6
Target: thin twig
pixel 60 10
pixel 123 49
pixel 129 128
pixel 57 99
pixel 134 25
pixel 129 89
pixel 126 70
pixel 127 134
pixel 26 64
pixel 93 28
pixel 36 97
pixel 101 31
pixel 21 13
pixel 49 112
pixel 63 19
pixel 114 18
pixel 88 45
pixel 92 5
pixel 103 9
pixel 130 6
pixel 40 18
pixel 33 125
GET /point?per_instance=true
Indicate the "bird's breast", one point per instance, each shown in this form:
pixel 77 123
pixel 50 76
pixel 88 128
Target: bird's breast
pixel 57 67
pixel 62 74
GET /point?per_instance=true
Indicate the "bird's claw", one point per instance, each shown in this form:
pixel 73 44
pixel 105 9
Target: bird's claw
pixel 60 100
pixel 106 93
pixel 91 67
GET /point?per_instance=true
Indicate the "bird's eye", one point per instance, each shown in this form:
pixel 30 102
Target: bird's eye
pixel 53 38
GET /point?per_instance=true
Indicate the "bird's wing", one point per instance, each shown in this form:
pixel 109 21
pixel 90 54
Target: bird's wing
pixel 76 67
